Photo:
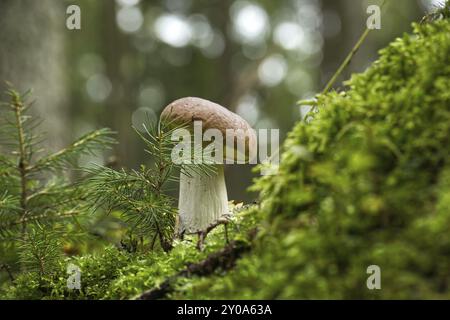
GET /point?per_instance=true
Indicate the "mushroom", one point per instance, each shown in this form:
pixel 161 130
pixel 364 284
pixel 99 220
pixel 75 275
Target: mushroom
pixel 203 198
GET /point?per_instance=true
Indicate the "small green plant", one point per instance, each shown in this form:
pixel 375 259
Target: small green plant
pixel 40 250
pixel 36 197
pixel 141 195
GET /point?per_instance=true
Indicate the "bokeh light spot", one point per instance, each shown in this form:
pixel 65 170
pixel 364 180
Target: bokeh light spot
pixel 272 70
pixel 250 21
pixel 129 19
pixel 98 87
pixel 143 118
pixel 248 108
pixel 289 35
pixel 173 30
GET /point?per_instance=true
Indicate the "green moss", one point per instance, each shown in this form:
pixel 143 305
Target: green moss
pixel 364 182
pixel 118 274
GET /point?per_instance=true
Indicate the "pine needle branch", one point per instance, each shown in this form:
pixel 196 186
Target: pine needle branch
pixel 33 200
pixel 85 145
pixel 41 218
pixel 40 250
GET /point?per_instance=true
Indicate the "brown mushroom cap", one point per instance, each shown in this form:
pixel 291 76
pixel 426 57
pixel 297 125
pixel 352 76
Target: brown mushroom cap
pixel 212 116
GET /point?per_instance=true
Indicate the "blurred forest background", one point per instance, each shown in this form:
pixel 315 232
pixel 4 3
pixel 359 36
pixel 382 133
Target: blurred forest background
pixel 133 57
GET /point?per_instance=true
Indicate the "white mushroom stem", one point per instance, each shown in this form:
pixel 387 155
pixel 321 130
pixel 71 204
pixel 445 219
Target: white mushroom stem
pixel 203 200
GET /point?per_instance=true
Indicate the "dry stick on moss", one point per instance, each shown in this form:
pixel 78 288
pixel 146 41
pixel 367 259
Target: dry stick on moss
pixel 224 259
pixel 202 234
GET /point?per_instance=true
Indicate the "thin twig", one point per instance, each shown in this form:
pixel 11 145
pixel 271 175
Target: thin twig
pixel 349 57
pixel 347 60
pixel 344 64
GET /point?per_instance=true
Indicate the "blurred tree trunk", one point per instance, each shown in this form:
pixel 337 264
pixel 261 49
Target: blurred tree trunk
pixel 120 103
pixel 32 56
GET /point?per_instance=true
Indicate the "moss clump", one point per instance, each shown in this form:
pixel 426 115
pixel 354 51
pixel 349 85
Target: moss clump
pixel 365 182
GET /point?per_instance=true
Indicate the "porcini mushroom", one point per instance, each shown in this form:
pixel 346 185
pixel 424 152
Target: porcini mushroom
pixel 203 198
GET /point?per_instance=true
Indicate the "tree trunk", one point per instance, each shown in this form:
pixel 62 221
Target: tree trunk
pixel 32 56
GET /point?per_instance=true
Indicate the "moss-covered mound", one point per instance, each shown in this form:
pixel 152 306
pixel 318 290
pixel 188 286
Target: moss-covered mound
pixel 366 181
